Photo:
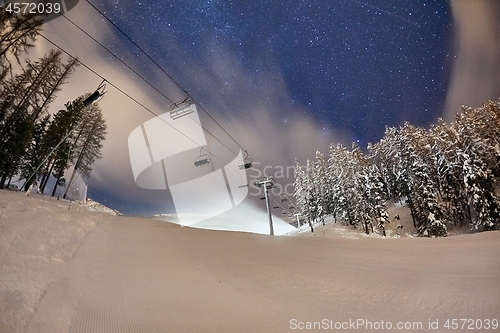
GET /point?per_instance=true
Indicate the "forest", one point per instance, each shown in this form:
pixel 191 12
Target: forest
pixel 446 175
pixel 37 141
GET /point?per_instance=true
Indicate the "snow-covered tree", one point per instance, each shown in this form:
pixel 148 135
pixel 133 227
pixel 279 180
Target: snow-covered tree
pixel 447 176
pixel 321 186
pixel 480 156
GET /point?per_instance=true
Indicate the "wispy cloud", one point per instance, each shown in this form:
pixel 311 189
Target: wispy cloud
pixel 476 74
pixel 255 107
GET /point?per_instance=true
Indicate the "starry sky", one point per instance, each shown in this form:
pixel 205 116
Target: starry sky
pixel 284 79
pixel 352 65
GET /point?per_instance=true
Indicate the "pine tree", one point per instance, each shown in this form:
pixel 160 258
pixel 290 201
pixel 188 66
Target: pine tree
pixel 301 195
pixel 89 145
pixel 63 123
pixel 18 33
pixel 33 155
pixel 334 190
pixel 447 176
pixel 448 169
pixel 320 183
pixel 29 96
pixel 479 154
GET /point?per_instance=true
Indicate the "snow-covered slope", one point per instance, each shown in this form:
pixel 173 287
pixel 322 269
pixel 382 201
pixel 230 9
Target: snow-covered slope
pixel 79 271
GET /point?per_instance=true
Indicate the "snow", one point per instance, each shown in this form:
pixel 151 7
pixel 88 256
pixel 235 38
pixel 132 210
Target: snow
pixel 67 269
pixel 243 217
pixel 95 206
pixel 335 230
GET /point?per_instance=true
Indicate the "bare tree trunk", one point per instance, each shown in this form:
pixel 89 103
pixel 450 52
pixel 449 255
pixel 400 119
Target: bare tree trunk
pixel 410 204
pixel 2 180
pixel 382 226
pixel 78 162
pixel 59 175
pixel 47 176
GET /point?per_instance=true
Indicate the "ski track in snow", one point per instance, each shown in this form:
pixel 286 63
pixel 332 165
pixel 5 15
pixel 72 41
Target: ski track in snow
pixel 77 271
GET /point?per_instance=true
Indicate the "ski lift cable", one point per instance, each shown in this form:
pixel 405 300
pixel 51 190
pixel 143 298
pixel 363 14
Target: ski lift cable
pixel 278 203
pixel 161 69
pixel 289 200
pixel 282 207
pixel 156 89
pixel 116 57
pixel 136 45
pixel 128 95
pixel 258 166
pixel 211 134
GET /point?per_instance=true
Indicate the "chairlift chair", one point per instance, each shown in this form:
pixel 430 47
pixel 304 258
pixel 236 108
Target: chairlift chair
pixel 275 207
pixel 246 162
pixel 182 108
pixel 243 182
pixel 202 160
pixel 284 212
pixel 98 93
pixel 283 199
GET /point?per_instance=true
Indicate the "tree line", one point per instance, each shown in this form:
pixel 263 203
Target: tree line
pixel 447 176
pixel 38 143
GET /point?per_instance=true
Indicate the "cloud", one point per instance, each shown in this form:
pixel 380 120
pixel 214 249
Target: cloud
pixel 254 106
pixel 476 74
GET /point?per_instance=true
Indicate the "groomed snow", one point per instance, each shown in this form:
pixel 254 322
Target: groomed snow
pixel 81 271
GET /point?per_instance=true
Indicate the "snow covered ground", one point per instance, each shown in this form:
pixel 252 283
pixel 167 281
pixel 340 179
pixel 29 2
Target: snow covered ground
pixel 74 270
pixel 243 217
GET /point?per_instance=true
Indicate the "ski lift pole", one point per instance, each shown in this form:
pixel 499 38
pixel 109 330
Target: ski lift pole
pixel 268 183
pixel 298 219
pixel 269 215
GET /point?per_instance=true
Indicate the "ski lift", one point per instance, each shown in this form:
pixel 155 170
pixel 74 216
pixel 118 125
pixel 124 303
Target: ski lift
pixel 99 92
pixel 283 199
pixel 284 212
pixel 202 160
pixel 243 182
pixel 275 207
pixel 182 108
pixel 246 162
pixel 291 207
pixel 262 198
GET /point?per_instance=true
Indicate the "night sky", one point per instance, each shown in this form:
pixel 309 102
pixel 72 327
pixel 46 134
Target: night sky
pixel 352 65
pixel 284 79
